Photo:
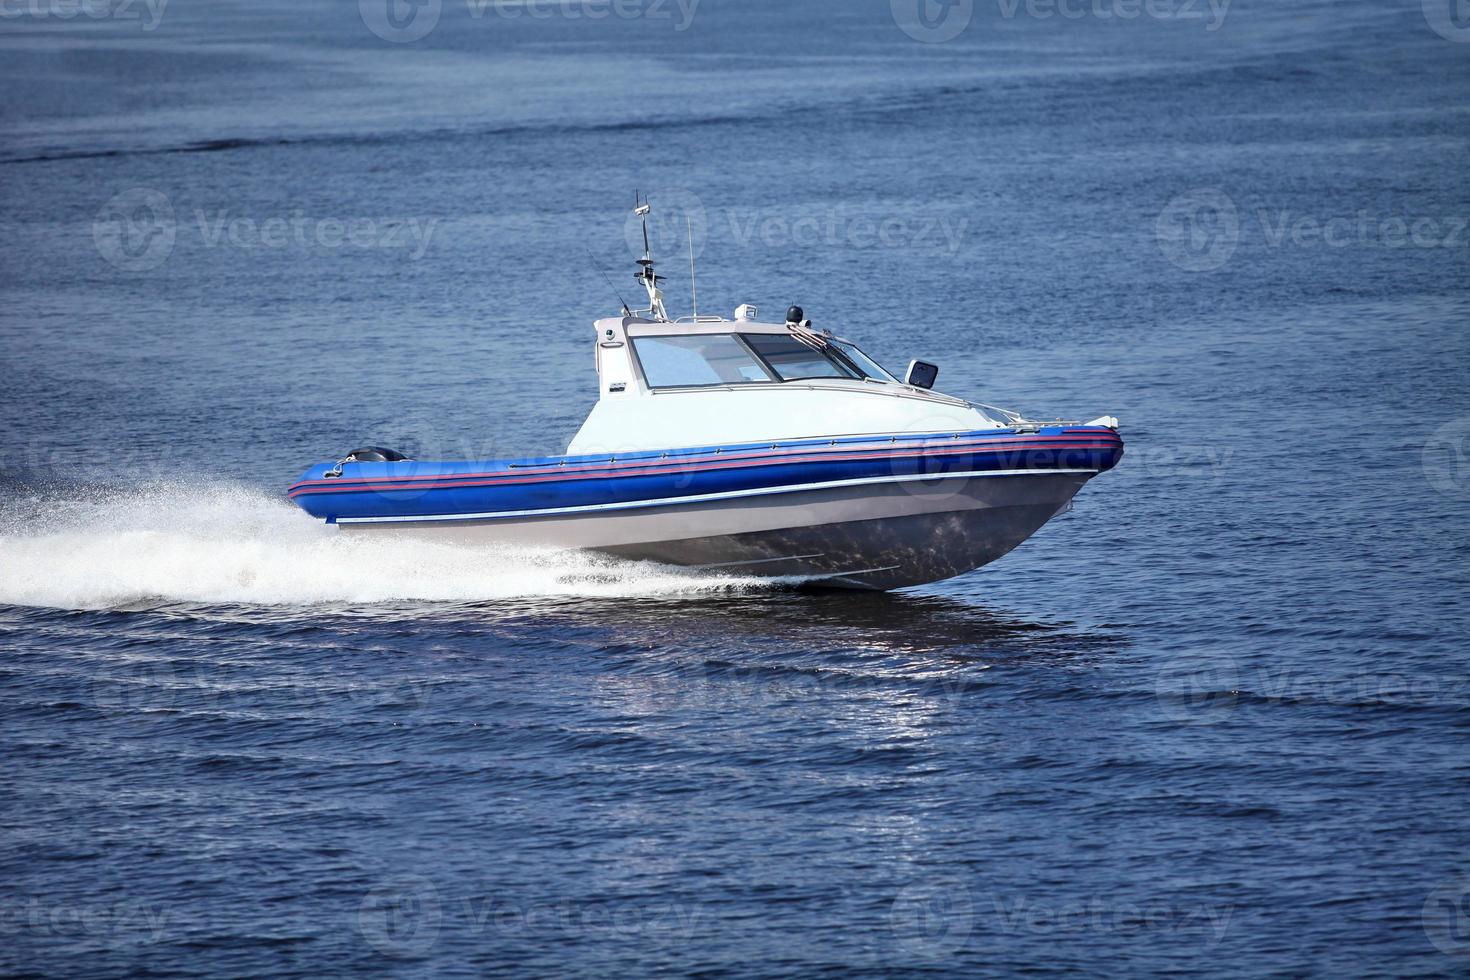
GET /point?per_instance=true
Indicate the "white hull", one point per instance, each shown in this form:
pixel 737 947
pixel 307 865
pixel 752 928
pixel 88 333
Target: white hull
pixel 880 534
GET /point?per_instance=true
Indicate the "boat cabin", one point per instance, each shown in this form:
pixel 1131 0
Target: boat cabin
pixel 709 381
pixel 702 381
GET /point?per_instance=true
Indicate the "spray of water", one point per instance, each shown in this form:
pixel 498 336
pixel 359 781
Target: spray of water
pixel 226 544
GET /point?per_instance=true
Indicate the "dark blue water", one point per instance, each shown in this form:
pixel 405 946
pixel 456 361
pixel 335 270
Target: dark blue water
pixel 1213 721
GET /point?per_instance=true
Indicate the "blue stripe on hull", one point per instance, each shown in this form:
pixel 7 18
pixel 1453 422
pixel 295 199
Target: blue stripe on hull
pixel 708 473
pixel 603 508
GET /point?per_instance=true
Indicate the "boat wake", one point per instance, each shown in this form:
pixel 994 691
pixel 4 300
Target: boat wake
pixel 225 544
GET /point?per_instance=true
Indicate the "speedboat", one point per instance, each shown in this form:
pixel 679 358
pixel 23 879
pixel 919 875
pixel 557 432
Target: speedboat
pixel 749 447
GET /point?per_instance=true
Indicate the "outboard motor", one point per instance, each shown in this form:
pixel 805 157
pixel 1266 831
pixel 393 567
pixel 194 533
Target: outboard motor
pixel 374 454
pixel 367 454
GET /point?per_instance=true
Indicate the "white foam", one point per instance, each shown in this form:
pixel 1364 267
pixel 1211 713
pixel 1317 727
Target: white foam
pixel 227 544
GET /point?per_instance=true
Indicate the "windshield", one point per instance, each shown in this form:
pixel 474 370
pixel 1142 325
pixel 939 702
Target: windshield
pixel 863 362
pixel 696 360
pixel 794 360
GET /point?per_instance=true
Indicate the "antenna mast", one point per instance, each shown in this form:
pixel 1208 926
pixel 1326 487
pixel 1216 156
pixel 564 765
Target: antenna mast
pixel 646 274
pixel 693 287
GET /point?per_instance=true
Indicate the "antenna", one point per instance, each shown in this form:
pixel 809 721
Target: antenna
pixel 607 279
pixel 646 275
pixel 693 287
pixel 642 211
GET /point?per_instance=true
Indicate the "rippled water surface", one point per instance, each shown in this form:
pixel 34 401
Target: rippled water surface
pixel 1213 720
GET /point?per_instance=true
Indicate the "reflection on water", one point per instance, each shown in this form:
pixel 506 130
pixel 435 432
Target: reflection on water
pixel 823 621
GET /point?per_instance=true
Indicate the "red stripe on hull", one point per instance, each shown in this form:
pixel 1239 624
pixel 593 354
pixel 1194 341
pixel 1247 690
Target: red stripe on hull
pixel 441 481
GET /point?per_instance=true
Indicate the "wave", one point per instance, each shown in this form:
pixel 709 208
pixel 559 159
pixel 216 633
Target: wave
pixel 222 144
pixel 165 543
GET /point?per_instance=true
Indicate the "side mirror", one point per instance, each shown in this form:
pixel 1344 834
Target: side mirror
pixel 921 374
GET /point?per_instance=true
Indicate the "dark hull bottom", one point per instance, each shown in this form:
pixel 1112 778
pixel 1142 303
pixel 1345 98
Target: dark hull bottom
pixel 876 554
pixel 885 536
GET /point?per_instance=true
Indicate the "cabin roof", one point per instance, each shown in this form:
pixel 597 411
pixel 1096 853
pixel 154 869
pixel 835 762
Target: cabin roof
pixel 640 327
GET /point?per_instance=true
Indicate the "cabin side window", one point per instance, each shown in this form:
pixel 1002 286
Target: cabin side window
pixel 695 360
pixel 863 362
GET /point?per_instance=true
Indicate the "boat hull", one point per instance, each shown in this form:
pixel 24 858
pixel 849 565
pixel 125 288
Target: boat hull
pixel 883 536
pixel 876 512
